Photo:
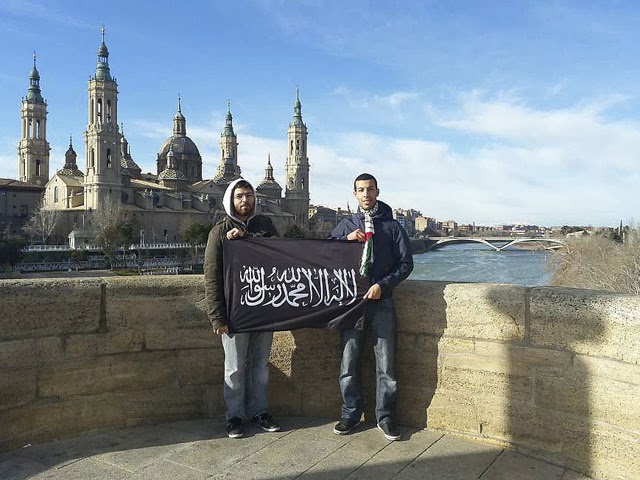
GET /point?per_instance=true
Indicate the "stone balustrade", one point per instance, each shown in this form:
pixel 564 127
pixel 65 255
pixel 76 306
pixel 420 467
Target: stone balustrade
pixel 550 372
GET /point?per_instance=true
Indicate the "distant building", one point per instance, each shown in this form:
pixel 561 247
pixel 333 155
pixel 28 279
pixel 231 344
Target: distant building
pixel 449 228
pixel 18 200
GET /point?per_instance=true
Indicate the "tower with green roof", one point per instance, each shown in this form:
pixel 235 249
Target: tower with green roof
pixel 296 196
pixel 33 149
pixel 102 139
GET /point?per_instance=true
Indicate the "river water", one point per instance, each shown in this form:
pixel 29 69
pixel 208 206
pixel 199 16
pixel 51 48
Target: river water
pixel 480 264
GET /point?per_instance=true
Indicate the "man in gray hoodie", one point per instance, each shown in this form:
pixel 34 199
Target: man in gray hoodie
pixel 246 355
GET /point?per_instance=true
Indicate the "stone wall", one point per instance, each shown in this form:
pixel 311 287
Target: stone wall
pixel 551 372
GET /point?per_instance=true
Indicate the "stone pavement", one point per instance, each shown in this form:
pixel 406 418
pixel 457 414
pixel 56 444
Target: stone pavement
pixel 305 448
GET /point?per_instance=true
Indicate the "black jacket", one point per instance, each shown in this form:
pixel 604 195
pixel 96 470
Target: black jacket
pixel 392 260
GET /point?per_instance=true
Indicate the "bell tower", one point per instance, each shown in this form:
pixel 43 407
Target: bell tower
pixel 102 139
pixel 296 196
pixel 33 149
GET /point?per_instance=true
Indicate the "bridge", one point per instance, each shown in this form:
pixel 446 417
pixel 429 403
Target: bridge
pixel 497 243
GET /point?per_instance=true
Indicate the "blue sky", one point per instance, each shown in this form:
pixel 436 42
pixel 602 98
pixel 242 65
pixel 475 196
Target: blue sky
pixel 477 111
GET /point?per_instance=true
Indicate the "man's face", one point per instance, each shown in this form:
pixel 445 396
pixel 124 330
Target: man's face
pixel 243 202
pixel 366 193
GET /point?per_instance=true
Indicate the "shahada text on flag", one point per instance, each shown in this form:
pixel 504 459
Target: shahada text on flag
pixel 284 284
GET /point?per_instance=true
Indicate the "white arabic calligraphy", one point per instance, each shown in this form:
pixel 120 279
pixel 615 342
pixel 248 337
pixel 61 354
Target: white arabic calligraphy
pixel 297 287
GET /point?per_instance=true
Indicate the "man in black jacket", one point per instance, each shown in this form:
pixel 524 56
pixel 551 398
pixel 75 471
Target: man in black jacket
pixel 387 261
pixel 246 355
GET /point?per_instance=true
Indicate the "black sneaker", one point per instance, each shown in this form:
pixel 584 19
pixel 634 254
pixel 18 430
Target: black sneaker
pixel 390 431
pixel 266 422
pixel 234 428
pixel 344 426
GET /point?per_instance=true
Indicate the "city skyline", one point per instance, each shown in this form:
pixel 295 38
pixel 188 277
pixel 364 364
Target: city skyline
pixel 493 114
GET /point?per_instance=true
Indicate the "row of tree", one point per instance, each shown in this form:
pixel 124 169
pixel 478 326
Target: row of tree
pixel 115 229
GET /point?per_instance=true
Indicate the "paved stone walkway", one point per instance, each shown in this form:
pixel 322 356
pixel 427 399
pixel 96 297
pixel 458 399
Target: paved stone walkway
pixel 306 448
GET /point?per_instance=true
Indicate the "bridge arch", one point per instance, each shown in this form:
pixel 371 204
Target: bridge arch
pixel 496 243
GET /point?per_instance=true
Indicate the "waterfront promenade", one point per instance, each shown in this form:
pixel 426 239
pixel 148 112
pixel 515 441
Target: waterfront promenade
pixel 305 448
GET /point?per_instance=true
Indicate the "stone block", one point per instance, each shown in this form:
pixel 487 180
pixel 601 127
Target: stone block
pixel 593 397
pixel 524 355
pixel 165 404
pixel 480 376
pixel 45 420
pixel 456 345
pixel 280 359
pixel 18 353
pixel 454 412
pixel 18 387
pixel 59 307
pixel 601 450
pixel 522 424
pixel 285 398
pixel 413 400
pixel 214 401
pixel 164 301
pixel 167 337
pixel 112 373
pixel 586 322
pixel 420 307
pixel 486 311
pixel 30 352
pixel 611 369
pixel 92 344
pixel 200 366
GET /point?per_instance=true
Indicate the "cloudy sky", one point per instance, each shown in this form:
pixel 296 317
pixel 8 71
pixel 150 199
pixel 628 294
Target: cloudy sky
pixel 478 111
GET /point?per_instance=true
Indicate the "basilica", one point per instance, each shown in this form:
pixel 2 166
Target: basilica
pixel 161 203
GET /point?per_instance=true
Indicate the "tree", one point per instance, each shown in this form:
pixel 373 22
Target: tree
pixel 42 224
pixel 114 229
pixel 197 233
pixel 294 231
pixel 10 252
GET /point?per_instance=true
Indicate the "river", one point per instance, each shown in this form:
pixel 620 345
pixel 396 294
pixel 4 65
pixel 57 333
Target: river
pixel 480 264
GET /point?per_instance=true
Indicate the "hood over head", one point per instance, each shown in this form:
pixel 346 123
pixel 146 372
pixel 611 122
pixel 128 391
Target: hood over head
pixel 227 200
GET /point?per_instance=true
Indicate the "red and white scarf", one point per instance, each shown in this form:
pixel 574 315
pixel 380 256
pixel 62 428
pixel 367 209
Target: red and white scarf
pixel 367 250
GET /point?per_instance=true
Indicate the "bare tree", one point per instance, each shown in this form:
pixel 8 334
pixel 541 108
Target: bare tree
pixel 599 263
pixel 42 224
pixel 114 229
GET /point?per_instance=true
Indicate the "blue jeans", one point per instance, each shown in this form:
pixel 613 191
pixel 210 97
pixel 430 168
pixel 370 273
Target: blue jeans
pixel 381 324
pixel 246 373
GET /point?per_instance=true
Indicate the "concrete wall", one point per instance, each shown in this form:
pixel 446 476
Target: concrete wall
pixel 551 372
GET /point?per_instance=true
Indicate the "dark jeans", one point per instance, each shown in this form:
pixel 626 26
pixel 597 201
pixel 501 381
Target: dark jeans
pixel 381 324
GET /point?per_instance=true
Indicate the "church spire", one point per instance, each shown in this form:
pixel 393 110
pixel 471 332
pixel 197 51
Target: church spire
pixel 179 121
pixel 268 172
pixel 33 93
pixel 297 111
pixel 70 157
pixel 102 69
pixel 228 122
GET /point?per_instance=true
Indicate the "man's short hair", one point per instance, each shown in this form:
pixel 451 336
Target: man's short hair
pixel 242 184
pixel 364 176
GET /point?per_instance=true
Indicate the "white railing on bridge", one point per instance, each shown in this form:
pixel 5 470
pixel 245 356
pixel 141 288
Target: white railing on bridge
pixel 140 246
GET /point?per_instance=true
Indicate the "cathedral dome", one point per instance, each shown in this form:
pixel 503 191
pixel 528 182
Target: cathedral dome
pixel 182 145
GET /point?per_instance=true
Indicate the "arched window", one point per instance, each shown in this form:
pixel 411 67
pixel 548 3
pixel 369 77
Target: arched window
pixel 99 110
pixel 108 158
pixel 108 111
pixel 92 157
pixel 37 128
pixel 37 167
pixel 55 194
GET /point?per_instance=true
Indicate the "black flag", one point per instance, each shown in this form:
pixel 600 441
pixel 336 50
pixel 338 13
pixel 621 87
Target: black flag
pixel 284 284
